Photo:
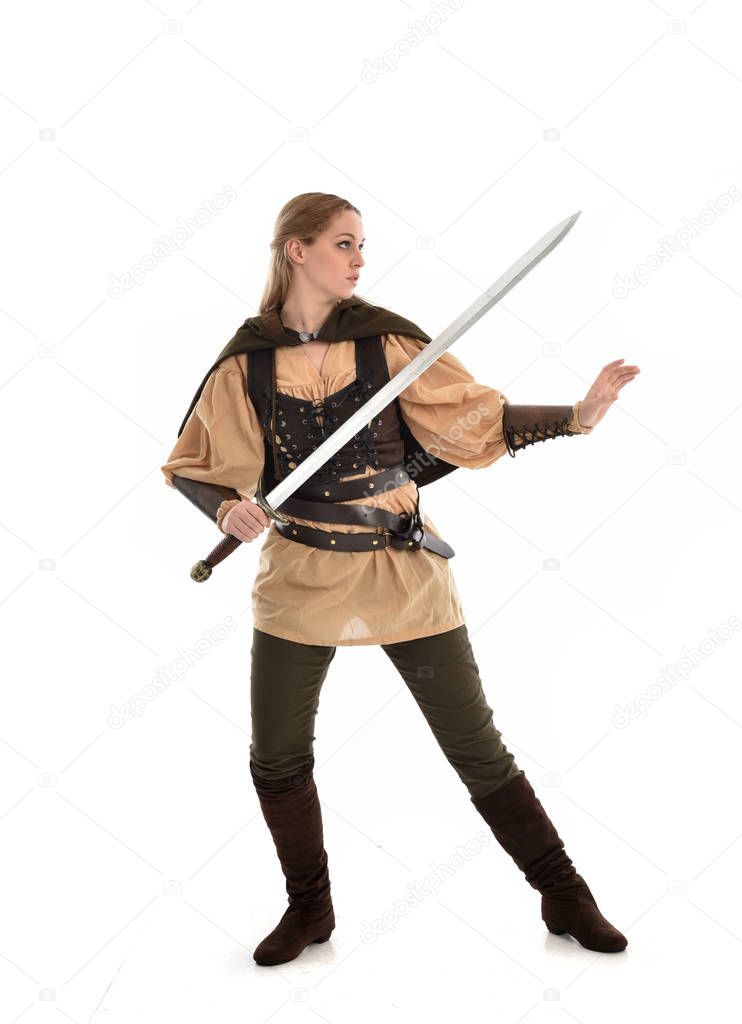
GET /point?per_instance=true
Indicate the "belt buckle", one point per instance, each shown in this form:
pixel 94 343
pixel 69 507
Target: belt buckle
pixel 417 531
pixel 414 534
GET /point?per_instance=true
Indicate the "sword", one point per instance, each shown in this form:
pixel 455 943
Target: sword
pixel 373 405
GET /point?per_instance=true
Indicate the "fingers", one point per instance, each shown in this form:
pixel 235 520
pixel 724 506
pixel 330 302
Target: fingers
pixel 622 381
pixel 622 376
pixel 260 514
pixel 247 521
pixel 616 365
pixel 244 533
pixel 612 375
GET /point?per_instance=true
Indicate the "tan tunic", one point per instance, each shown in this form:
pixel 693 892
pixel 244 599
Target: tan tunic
pixel 315 596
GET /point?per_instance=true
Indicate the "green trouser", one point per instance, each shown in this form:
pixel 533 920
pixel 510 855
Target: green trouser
pixel 440 672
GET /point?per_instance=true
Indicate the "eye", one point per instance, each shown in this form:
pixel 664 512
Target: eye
pixel 346 241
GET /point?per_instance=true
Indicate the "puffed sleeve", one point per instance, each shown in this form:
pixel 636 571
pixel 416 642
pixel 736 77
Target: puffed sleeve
pixel 449 412
pixel 222 441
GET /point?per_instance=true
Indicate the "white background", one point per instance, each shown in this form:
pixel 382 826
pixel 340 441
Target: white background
pixel 138 874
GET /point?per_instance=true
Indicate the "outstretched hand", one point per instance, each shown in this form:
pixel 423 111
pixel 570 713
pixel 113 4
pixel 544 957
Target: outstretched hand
pixel 604 391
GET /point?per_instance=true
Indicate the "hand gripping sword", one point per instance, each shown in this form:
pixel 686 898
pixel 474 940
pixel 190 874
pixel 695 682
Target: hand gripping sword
pixel 373 405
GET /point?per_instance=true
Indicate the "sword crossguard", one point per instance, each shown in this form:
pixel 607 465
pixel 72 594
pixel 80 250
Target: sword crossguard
pixel 279 517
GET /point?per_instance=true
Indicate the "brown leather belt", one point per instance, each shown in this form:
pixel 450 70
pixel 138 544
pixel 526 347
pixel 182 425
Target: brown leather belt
pixel 404 531
pixel 361 487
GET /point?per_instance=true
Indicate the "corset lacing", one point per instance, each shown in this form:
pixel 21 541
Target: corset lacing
pixel 322 419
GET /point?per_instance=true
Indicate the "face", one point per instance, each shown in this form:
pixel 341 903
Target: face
pixel 332 263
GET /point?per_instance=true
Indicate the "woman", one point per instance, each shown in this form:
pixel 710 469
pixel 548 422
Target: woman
pixel 356 562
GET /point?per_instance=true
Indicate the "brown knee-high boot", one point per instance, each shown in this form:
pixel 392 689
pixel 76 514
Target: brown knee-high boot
pixel 523 829
pixel 292 812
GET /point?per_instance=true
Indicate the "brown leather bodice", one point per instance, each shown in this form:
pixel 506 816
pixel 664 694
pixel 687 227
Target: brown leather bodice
pixel 301 425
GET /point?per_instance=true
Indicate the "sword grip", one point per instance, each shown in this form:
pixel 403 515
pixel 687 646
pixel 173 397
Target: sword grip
pixel 201 570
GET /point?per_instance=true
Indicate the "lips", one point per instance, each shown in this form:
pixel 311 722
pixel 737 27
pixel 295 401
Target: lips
pixel 354 279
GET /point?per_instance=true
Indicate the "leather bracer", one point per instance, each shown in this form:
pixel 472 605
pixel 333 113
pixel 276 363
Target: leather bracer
pixel 526 424
pixel 209 498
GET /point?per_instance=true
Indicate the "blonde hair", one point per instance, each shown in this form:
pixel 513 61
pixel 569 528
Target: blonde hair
pixel 303 217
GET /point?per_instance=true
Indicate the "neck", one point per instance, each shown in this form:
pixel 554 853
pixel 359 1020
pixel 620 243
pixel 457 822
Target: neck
pixel 306 313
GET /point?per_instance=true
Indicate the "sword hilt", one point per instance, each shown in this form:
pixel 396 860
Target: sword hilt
pixel 201 571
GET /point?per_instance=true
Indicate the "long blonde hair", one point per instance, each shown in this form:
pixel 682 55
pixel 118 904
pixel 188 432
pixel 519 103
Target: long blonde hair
pixel 303 217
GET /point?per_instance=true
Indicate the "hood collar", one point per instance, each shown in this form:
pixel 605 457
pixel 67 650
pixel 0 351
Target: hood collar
pixel 269 327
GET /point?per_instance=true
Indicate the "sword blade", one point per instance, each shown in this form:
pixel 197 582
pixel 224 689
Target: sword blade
pixel 373 406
